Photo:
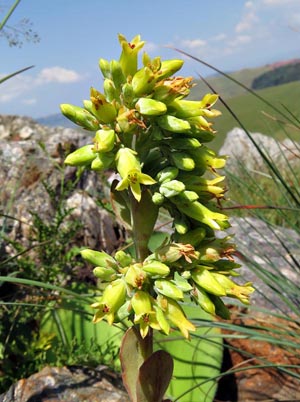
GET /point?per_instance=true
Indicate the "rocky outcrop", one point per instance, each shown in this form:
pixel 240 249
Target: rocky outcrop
pixel 243 154
pixel 72 384
pixel 31 158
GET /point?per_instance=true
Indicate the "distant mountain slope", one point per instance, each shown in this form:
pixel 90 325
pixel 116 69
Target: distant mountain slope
pixel 56 120
pixel 281 75
pixel 258 117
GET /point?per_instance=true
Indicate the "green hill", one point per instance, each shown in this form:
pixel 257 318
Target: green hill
pixel 224 86
pixel 258 117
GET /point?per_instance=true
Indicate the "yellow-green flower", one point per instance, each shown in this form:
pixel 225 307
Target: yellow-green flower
pixel 134 179
pixel 112 299
pixel 174 313
pixel 145 315
pixel 129 55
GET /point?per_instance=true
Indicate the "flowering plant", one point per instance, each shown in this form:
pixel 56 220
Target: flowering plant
pixel 154 139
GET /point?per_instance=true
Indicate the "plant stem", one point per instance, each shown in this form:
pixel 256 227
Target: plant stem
pixel 12 9
pixel 143 218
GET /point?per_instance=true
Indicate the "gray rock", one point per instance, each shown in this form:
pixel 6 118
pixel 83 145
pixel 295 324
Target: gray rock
pixel 74 384
pixel 268 252
pixel 244 155
pixel 31 156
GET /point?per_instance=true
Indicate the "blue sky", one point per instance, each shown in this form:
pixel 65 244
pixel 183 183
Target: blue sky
pixel 230 34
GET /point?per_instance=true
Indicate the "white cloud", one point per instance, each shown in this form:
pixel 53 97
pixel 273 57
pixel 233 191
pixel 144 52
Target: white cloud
pixel 248 20
pixel 249 4
pixel 58 74
pixel 219 37
pixel 30 101
pixel 279 2
pixel 20 85
pixel 150 47
pixel 241 40
pixel 193 43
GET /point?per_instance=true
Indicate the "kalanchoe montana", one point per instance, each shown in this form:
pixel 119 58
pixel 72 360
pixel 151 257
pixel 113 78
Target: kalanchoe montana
pixel 151 136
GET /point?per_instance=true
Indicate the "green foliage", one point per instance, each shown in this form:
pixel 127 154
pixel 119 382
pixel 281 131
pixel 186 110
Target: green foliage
pixel 278 76
pixel 40 326
pixel 226 88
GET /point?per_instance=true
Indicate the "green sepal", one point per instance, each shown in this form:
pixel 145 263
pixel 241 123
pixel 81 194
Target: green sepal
pixel 150 107
pixel 169 289
pixel 82 156
pixel 80 116
pixel 171 188
pixel 183 160
pixel 173 124
pixel 98 258
pixel 204 278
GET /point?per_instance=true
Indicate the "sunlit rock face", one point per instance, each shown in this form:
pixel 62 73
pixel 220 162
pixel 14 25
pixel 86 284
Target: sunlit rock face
pixel 31 157
pixel 245 154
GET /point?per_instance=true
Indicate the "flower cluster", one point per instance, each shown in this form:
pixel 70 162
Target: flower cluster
pixel 153 137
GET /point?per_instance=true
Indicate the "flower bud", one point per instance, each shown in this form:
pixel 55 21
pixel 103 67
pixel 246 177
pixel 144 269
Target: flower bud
pixel 186 108
pixel 183 161
pixel 204 278
pixel 193 237
pixel 158 198
pixel 162 321
pixel 117 75
pixel 173 124
pixel 156 268
pixel 187 196
pixel 169 289
pixel 105 68
pixel 98 258
pixel 123 258
pixel 203 300
pixel 150 107
pixel 171 188
pixel 80 116
pixel 168 68
pixel 181 223
pixel 143 82
pixel 181 283
pixel 184 143
pixel 207 157
pixel 103 160
pixel 105 273
pixel 110 90
pixel 167 174
pixel 127 94
pixel 82 156
pixel 104 140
